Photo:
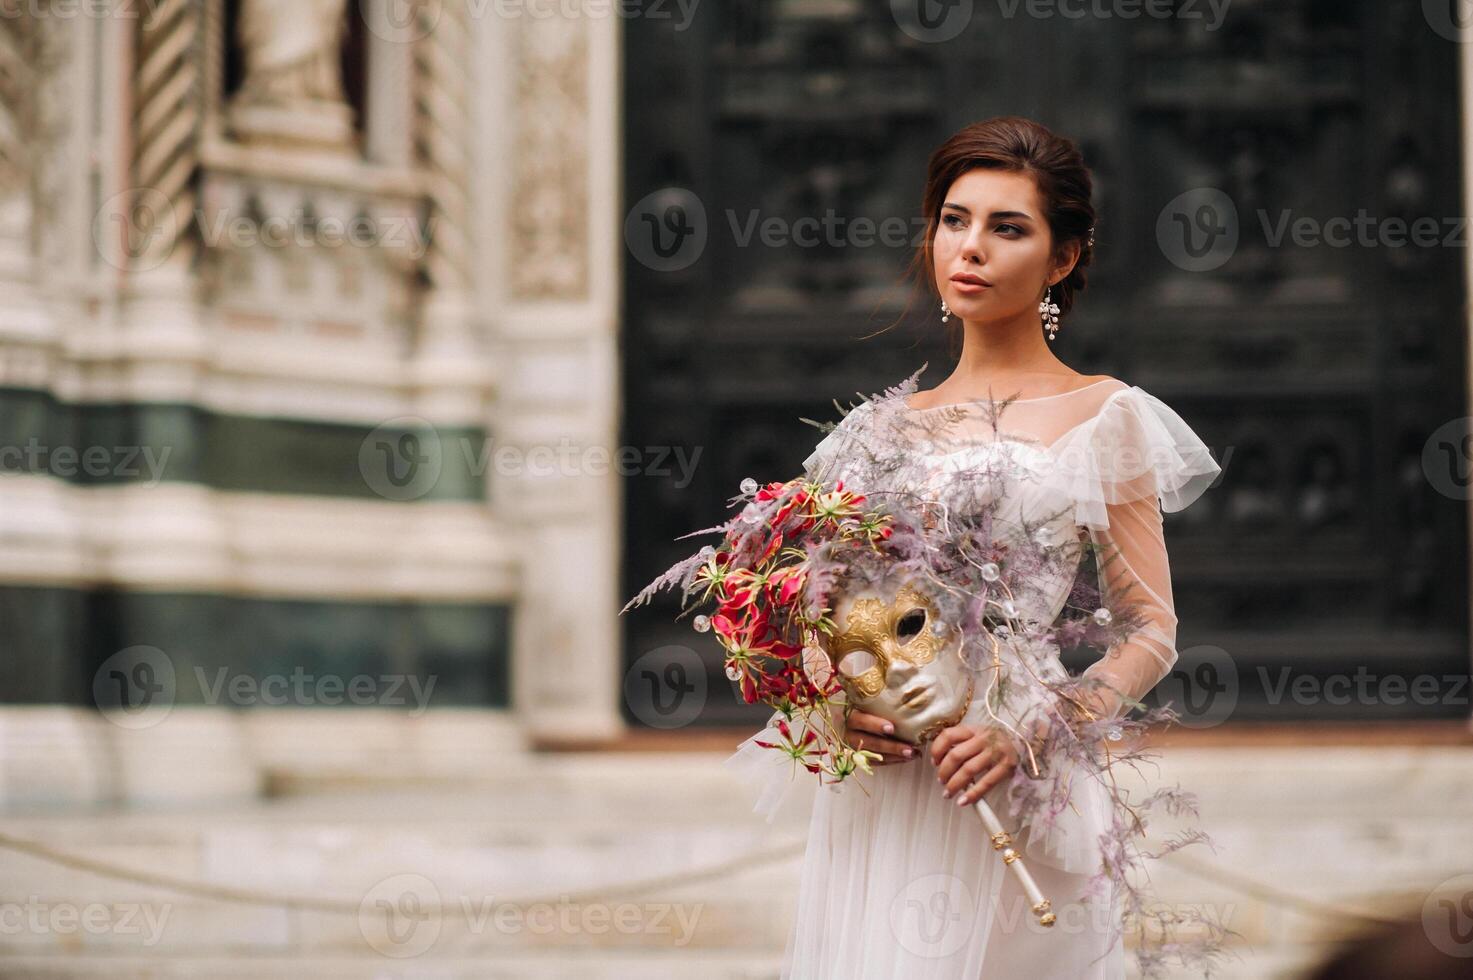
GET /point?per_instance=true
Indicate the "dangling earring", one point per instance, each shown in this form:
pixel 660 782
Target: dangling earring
pixel 944 311
pixel 1050 313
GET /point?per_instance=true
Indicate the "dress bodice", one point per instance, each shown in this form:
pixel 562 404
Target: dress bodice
pixel 957 461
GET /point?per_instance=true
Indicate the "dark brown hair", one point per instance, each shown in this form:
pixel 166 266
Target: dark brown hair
pixel 1020 145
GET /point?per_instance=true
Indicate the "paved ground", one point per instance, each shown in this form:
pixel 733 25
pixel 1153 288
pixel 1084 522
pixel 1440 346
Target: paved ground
pixel 361 879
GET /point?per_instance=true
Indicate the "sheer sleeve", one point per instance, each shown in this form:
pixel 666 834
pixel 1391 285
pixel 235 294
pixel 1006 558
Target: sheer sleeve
pixel 1135 459
pixel 1134 570
pixel 820 464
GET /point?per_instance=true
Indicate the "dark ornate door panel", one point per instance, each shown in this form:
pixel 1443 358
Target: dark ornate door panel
pixel 775 154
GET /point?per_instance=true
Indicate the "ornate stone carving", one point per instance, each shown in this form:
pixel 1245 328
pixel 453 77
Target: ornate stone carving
pixel 17 83
pixel 549 254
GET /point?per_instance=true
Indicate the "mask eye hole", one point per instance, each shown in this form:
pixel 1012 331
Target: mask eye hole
pixel 856 662
pixel 910 625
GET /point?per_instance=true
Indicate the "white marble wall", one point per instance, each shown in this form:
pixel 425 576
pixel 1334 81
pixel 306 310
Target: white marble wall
pixel 517 335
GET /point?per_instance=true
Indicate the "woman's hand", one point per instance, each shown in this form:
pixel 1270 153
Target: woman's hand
pixel 867 731
pixel 964 753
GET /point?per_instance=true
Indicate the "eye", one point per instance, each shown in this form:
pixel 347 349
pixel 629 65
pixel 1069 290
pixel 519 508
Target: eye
pixel 856 662
pixel 1014 227
pixel 910 624
pixel 952 221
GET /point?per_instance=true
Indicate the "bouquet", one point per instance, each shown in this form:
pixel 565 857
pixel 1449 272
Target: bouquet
pixel 795 546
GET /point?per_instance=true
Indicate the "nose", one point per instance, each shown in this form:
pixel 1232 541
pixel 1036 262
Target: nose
pixel 898 670
pixel 972 245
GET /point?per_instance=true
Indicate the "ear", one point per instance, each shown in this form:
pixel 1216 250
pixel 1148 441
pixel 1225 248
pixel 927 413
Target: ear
pixel 1069 255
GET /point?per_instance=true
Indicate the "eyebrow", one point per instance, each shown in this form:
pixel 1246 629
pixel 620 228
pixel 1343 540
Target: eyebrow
pixel 996 214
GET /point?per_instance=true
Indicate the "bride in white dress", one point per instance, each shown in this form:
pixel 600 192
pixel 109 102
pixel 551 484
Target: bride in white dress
pixel 898 880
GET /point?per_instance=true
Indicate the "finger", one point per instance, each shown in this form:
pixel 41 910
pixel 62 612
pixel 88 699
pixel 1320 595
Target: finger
pixel 877 743
pixel 991 778
pixel 948 738
pixel 958 757
pixel 866 722
pixel 969 769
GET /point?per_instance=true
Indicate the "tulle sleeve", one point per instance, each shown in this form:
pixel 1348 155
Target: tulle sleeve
pixel 1133 460
pixel 839 441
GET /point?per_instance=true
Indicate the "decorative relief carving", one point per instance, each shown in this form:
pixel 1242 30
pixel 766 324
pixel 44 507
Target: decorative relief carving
pixel 549 253
pixel 18 40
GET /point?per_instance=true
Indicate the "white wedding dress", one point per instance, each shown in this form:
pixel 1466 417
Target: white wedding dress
pixel 900 883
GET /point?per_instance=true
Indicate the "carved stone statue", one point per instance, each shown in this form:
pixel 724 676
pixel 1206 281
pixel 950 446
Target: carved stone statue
pixel 292 50
pixel 292 91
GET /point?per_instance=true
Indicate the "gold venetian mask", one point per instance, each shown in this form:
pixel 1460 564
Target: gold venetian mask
pixel 896 658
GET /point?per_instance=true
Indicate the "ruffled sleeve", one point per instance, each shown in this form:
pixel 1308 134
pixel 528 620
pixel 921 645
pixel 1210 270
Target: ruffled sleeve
pixel 839 441
pixel 1122 468
pixel 1135 447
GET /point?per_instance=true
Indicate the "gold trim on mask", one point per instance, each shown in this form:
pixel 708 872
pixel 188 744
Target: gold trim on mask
pixel 870 626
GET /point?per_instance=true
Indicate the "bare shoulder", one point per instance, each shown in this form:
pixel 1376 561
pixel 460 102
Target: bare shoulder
pixel 1114 383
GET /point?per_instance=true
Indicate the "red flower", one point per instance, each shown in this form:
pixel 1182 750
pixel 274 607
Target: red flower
pixel 799 749
pixel 788 582
pixel 774 545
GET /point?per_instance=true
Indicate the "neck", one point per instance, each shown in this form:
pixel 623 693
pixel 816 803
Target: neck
pixel 1000 349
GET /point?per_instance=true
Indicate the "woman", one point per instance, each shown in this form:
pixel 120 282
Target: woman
pixel 899 879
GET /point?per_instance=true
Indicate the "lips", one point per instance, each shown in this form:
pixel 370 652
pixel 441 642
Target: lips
pixel 914 695
pixel 967 279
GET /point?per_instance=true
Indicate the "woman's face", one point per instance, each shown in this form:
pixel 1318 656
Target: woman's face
pixel 992 226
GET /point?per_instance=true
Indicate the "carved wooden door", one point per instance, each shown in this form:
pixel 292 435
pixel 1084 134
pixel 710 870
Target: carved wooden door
pixel 767 145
